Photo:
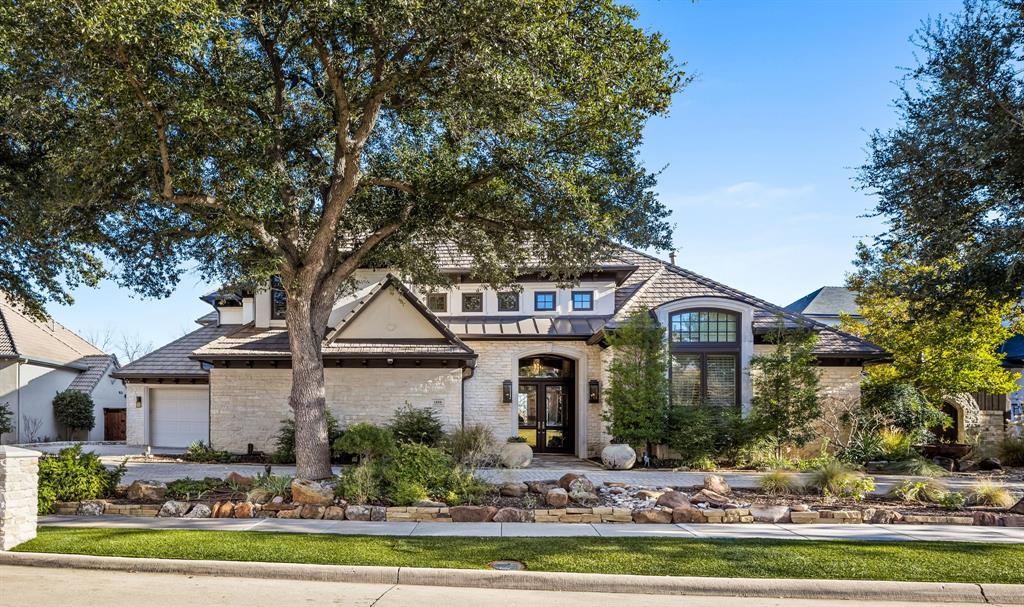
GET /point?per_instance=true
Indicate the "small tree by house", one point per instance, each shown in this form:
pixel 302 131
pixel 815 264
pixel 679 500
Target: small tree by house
pixel 74 410
pixel 786 387
pixel 637 394
pixel 6 423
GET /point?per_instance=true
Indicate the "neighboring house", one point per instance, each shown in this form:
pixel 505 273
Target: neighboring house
pixel 530 361
pixel 988 413
pixel 40 359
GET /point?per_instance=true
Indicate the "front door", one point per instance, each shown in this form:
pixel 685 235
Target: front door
pixel 545 415
pixel 114 424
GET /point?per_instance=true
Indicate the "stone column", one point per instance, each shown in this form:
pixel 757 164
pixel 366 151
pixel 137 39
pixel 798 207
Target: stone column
pixel 19 486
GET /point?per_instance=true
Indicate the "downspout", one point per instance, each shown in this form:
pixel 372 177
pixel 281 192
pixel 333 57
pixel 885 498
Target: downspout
pixel 467 373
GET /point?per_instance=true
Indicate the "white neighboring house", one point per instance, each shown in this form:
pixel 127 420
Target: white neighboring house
pixel 40 359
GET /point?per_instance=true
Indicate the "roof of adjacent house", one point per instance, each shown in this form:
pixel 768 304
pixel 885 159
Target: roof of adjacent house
pixel 96 368
pixel 826 301
pixel 173 359
pixel 1014 350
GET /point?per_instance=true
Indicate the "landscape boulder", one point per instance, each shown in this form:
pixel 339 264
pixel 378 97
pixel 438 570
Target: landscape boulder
pixel 1018 508
pixel 580 485
pixel 566 479
pixel 557 497
pixel 293 513
pixel 91 508
pixel 515 455
pixel 312 492
pixel 334 513
pixel 769 513
pixel 198 511
pixel 512 515
pixel 245 482
pixel 648 494
pixel 652 516
pixel 716 483
pixel 990 463
pixel 147 490
pixel 223 510
pixel 618 457
pixel 173 508
pixel 357 513
pixel 245 510
pixel 513 490
pixel 276 504
pixel 378 513
pixel 885 517
pixel 707 496
pixel 472 514
pixel 673 499
pixel 687 514
pixel 311 511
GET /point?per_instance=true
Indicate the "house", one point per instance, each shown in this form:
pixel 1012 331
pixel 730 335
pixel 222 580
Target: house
pixel 38 360
pixel 527 362
pixel 989 412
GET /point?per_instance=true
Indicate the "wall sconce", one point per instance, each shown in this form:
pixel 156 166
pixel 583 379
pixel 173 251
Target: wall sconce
pixel 594 393
pixel 138 402
pixel 506 391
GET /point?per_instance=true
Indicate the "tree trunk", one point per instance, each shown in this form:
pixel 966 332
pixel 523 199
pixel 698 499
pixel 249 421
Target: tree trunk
pixel 308 397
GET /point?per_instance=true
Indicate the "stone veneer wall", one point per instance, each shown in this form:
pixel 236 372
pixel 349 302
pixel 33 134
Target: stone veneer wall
pixel 495 364
pixel 247 405
pixel 991 432
pixel 19 480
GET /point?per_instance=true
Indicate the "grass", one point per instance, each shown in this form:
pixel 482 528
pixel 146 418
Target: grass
pixel 916 561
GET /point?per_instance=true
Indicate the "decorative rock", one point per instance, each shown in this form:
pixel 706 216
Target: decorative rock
pixel 707 496
pixel 799 508
pixel 472 514
pixel 674 499
pixel 378 513
pixel 767 513
pixel 885 517
pixel 226 510
pixel 357 513
pixel 652 516
pixel 1018 508
pixel 91 508
pixel 946 463
pixel 515 455
pixel 584 498
pixel 540 487
pixel 687 515
pixel 717 484
pixel 618 457
pixel 566 479
pixel 512 515
pixel 311 492
pixel 311 511
pixel 988 519
pixel 513 490
pixel 241 480
pixel 580 485
pixel 173 509
pixel 334 513
pixel 430 504
pixel 804 517
pixel 147 490
pixel 616 490
pixel 990 463
pixel 245 510
pixel 199 511
pixel 294 513
pixel 557 498
pixel 276 504
pixel 647 494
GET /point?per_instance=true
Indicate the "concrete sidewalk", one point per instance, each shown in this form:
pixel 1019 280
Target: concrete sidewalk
pixel 890 533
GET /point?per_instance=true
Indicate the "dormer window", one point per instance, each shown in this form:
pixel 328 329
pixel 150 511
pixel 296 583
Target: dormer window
pixel 544 301
pixel 437 302
pixel 508 301
pixel 278 299
pixel 705 356
pixel 472 302
pixel 582 301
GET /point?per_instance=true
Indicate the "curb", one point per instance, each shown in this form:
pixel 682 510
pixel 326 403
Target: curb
pixel 861 590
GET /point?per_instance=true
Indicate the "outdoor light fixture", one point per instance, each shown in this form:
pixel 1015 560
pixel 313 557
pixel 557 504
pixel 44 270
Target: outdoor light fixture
pixel 138 402
pixel 594 393
pixel 506 391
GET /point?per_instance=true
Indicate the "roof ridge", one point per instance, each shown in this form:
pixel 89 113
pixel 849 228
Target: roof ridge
pixel 7 330
pixel 642 288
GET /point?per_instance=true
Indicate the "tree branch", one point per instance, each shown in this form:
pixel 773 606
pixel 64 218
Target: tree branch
pixel 389 183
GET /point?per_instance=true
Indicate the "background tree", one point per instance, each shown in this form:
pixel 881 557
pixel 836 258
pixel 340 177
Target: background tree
pixel 950 177
pixel 637 391
pixel 786 386
pixel 308 139
pixel 6 421
pixel 74 410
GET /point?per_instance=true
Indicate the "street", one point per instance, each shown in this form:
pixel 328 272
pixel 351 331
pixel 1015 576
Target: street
pixel 57 587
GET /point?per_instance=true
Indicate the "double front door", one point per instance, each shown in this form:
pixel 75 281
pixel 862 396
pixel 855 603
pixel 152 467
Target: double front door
pixel 545 415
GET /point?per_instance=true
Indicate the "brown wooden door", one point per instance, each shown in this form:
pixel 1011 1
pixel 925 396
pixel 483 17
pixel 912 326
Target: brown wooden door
pixel 114 424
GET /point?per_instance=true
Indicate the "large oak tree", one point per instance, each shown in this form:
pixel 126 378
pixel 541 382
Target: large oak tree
pixel 307 139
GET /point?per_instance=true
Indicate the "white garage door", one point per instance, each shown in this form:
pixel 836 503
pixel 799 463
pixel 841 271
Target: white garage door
pixel 178 416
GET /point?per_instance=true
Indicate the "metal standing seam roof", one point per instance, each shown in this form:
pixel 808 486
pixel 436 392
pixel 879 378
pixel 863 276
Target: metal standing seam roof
pixel 536 327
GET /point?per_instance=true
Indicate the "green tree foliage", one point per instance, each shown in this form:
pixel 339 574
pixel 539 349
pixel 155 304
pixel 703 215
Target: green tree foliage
pixel 950 176
pixel 786 387
pixel 74 410
pixel 365 441
pixel 416 425
pixel 6 423
pixel 308 139
pixel 637 392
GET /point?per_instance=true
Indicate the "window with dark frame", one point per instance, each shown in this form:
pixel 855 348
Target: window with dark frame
pixel 472 302
pixel 582 300
pixel 278 299
pixel 705 358
pixel 508 301
pixel 437 302
pixel 544 301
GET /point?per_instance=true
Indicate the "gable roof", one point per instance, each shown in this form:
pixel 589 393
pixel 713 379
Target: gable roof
pixel 826 301
pixel 173 360
pixel 96 367
pixel 49 341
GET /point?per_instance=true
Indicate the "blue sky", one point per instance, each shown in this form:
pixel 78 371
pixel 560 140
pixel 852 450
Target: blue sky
pixel 758 154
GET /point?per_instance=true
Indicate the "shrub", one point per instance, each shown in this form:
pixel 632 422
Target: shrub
pixel 988 493
pixel 837 480
pixel 285 440
pixel 953 500
pixel 701 433
pixel 472 446
pixel 205 454
pixel 74 410
pixel 433 470
pixel 896 444
pixel 6 425
pixel 411 425
pixel 923 492
pixel 408 493
pixel 515 439
pixel 900 405
pixel 188 489
pixel 916 466
pixel 1011 451
pixel 365 441
pixel 780 482
pixel 72 476
pixel 361 484
pixel 266 487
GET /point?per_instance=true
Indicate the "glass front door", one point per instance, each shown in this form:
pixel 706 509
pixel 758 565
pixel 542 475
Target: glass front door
pixel 545 415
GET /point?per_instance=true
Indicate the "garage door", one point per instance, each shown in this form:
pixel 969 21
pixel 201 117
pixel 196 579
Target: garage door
pixel 178 416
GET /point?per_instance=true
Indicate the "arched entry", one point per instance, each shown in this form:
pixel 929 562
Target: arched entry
pixel 546 403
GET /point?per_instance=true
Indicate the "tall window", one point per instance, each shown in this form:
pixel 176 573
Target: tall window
pixel 705 352
pixel 278 299
pixel 472 302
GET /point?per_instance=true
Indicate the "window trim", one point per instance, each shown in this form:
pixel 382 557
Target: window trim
pixel 703 364
pixel 443 310
pixel 470 294
pixel 589 308
pixel 684 346
pixel 554 301
pixel 513 294
pixel 714 348
pixel 273 314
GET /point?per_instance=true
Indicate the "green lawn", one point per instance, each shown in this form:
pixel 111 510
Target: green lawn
pixel 919 561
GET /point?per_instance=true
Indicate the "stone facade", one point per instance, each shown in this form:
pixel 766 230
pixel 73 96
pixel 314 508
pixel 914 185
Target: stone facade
pixel 247 405
pixel 19 480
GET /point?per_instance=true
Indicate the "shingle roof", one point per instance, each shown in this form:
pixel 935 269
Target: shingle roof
pixel 173 359
pixel 47 341
pixel 96 365
pixel 826 301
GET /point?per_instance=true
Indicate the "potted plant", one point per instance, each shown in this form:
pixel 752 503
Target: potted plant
pixel 516 453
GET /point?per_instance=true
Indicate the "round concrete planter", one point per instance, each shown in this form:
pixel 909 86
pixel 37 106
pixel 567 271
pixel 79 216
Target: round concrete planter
pixel 618 457
pixel 516 455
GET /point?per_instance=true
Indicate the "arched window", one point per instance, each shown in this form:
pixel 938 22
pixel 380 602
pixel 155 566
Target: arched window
pixel 705 357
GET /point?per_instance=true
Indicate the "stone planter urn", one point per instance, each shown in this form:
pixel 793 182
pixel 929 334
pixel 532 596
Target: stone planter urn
pixel 516 455
pixel 618 457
